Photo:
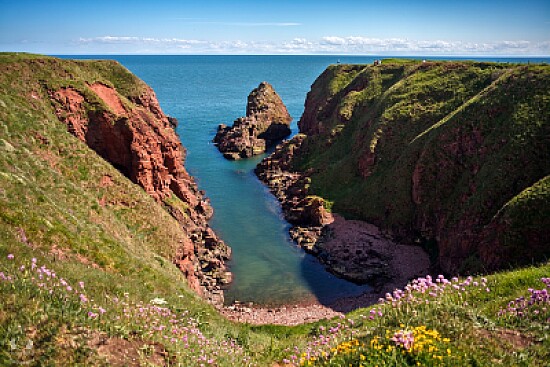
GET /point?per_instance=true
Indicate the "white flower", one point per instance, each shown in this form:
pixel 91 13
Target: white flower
pixel 158 301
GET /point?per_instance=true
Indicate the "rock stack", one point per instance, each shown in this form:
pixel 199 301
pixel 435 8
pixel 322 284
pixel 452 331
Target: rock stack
pixel 267 121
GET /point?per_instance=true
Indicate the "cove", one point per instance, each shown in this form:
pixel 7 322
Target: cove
pixel 204 91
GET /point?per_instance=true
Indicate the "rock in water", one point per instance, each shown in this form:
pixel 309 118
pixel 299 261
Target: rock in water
pixel 136 137
pixel 267 121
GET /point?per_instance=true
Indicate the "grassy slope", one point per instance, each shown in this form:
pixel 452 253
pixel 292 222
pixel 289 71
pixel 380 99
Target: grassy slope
pixel 410 115
pixel 50 193
pixel 49 209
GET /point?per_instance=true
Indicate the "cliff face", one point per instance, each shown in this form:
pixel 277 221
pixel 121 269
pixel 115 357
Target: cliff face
pixel 133 134
pixel 267 121
pixel 448 154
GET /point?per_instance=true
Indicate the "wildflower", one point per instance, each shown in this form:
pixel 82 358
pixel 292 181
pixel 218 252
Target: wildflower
pixel 11 257
pixel 158 301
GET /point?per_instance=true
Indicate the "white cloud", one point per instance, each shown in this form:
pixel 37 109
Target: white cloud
pixel 358 44
pixel 324 45
pixel 331 40
pixel 297 45
pixel 139 40
pixel 251 24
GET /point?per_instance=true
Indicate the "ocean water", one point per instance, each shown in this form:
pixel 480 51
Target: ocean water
pixel 204 91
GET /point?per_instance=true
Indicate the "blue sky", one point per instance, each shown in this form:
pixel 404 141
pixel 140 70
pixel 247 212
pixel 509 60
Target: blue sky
pixel 469 28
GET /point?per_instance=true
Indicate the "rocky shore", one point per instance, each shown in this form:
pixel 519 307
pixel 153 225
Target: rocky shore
pixel 354 250
pixel 400 264
pixel 267 121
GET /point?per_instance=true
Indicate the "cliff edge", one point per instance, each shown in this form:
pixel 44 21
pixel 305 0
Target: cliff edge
pixel 118 116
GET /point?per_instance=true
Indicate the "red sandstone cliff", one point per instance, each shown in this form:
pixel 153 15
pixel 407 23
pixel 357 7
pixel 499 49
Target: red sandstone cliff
pixel 135 136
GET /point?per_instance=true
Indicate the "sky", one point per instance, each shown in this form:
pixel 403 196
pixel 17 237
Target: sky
pixel 359 27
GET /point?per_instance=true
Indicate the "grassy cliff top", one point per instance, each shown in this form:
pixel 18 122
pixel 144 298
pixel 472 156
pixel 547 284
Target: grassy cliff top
pixel 81 219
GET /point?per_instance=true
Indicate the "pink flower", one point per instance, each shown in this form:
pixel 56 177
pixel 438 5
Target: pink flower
pixel 11 257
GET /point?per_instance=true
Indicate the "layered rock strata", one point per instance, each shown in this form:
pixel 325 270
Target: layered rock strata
pixel 267 121
pixel 134 135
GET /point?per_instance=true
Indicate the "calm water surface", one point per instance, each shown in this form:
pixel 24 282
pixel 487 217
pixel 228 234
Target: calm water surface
pixel 204 91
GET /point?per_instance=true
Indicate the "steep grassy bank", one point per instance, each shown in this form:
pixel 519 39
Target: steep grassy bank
pixel 453 155
pixel 82 220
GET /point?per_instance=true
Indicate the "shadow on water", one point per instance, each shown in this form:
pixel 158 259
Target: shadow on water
pixel 327 287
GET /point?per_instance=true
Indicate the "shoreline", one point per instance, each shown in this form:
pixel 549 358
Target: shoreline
pixel 351 249
pixel 405 263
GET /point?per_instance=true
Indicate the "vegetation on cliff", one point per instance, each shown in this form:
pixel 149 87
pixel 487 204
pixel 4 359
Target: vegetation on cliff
pixel 83 220
pixel 450 154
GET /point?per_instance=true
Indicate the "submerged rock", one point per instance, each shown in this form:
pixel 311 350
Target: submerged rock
pixel 266 122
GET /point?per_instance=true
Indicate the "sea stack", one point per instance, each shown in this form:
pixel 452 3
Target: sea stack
pixel 267 121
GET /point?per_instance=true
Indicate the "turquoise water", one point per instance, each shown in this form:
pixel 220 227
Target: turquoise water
pixel 204 91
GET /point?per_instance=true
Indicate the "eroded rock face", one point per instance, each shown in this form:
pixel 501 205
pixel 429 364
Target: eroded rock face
pixel 267 121
pixel 306 213
pixel 136 137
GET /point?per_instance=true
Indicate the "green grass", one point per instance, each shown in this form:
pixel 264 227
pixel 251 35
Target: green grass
pixel 462 326
pixel 476 134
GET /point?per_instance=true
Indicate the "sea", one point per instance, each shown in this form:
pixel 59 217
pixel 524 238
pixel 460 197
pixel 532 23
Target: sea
pixel 205 91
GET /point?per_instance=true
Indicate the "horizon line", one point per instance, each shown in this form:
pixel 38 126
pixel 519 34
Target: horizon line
pixel 295 54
